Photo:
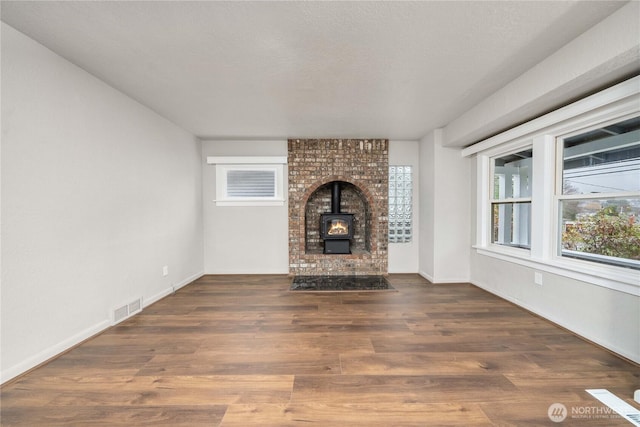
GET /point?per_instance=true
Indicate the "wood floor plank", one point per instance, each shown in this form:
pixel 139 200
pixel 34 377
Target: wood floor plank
pixel 168 390
pixel 269 342
pixel 242 350
pixel 448 363
pixel 356 415
pixel 257 363
pixel 83 416
pixel 584 359
pixel 373 389
pixel 474 343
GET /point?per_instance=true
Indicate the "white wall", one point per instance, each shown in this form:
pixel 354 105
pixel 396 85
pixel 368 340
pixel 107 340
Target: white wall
pixel 444 212
pixel 98 194
pixel 605 316
pixel 601 55
pixel 403 257
pixel 255 240
pixel 243 240
pixel 426 219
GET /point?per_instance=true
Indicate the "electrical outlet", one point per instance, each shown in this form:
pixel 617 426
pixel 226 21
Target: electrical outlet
pixel 165 270
pixel 537 278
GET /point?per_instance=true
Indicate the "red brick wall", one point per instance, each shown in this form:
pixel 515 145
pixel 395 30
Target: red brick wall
pixel 362 165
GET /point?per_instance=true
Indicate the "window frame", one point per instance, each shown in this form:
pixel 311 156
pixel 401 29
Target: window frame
pixel 558 197
pixel 224 165
pixel 514 201
pixel 609 105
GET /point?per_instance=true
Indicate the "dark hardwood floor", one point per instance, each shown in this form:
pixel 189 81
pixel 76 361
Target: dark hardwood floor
pixel 245 351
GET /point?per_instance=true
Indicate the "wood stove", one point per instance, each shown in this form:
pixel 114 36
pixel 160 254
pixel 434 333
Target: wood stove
pixel 336 228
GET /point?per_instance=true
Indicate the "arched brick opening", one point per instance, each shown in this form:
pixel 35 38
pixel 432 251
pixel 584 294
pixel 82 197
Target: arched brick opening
pixel 356 199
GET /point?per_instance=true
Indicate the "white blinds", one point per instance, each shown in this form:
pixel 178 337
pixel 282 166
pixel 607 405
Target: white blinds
pixel 251 183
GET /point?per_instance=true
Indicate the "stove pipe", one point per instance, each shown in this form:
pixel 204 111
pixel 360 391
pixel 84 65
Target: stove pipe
pixel 335 197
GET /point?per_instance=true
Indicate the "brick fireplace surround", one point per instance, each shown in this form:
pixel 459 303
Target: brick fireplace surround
pixel 362 167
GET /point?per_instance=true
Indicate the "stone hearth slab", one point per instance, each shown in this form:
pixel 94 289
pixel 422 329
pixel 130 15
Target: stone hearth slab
pixel 340 284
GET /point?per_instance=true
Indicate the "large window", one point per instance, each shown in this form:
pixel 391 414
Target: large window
pixel 511 199
pixel 599 194
pixel 561 193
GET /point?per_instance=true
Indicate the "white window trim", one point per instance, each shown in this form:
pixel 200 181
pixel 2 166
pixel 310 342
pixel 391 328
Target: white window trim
pixel 523 145
pixel 613 103
pixel 225 164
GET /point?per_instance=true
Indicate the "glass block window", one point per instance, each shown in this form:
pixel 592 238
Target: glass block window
pixel 400 204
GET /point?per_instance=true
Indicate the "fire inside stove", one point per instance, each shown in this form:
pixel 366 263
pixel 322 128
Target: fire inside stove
pixel 338 227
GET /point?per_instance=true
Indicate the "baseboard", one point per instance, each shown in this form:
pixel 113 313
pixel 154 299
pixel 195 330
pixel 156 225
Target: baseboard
pixel 454 280
pixel 426 276
pixel 582 334
pixel 234 271
pixel 52 351
pixel 57 349
pixel 168 291
pixel 188 280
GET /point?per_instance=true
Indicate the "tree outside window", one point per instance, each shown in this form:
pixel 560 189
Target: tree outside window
pixel 600 197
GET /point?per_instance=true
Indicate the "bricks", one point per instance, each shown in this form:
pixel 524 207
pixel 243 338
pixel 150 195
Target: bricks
pixel 363 166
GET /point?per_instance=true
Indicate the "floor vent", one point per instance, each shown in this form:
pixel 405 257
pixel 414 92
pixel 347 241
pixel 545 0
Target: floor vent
pixel 127 310
pixel 615 404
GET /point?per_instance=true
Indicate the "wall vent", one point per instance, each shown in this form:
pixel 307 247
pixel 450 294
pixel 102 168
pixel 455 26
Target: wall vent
pixel 120 313
pixel 135 306
pixel 127 310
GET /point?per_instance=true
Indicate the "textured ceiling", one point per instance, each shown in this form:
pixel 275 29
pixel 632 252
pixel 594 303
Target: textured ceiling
pixel 306 69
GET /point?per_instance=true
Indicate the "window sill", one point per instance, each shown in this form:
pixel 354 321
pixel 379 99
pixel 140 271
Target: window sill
pixel 611 277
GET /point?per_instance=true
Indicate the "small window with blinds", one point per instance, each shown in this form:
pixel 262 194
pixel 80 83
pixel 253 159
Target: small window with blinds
pixel 249 181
